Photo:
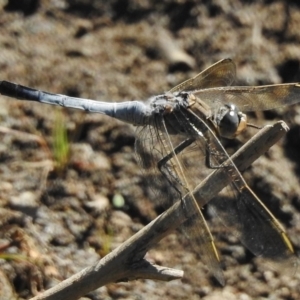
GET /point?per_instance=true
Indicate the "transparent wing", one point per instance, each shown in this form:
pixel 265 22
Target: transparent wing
pixel 248 218
pixel 251 98
pixel 150 149
pixel 222 73
pixel 244 215
pixel 153 144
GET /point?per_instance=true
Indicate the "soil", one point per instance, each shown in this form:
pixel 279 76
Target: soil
pixel 71 190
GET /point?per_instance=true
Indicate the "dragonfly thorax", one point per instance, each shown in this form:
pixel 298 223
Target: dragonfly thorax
pixel 229 121
pixel 168 103
pixel 167 110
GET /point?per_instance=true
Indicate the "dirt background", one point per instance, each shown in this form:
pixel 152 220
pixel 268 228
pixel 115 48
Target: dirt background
pixel 66 204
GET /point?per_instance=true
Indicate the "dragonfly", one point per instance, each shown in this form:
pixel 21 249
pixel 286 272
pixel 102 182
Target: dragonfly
pixel 179 135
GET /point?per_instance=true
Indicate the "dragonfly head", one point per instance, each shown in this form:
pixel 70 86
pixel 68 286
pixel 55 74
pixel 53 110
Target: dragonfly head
pixel 229 121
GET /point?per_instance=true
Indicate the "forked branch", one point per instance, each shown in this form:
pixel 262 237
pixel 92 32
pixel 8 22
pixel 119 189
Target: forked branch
pixel 127 261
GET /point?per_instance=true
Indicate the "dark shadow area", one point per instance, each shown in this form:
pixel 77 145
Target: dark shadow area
pixel 181 15
pixel 263 190
pixel 289 71
pixel 88 8
pixel 292 146
pixel 27 7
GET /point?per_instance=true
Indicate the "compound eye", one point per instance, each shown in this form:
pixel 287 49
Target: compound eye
pixel 229 121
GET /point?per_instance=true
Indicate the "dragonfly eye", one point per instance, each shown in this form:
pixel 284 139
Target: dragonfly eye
pixel 228 121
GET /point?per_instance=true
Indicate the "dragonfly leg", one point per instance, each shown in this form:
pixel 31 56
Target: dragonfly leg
pixel 212 152
pixel 162 164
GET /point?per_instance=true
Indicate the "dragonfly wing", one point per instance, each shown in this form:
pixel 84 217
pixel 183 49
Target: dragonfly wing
pixel 248 218
pixel 153 144
pixel 252 98
pixel 150 149
pixel 245 214
pixel 219 74
pixel 184 171
pixel 201 240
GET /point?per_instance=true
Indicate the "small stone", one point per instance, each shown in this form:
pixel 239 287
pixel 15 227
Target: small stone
pixel 100 203
pixel 26 202
pixel 118 201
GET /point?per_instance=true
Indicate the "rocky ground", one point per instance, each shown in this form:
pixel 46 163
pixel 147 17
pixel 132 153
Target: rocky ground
pixel 70 188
